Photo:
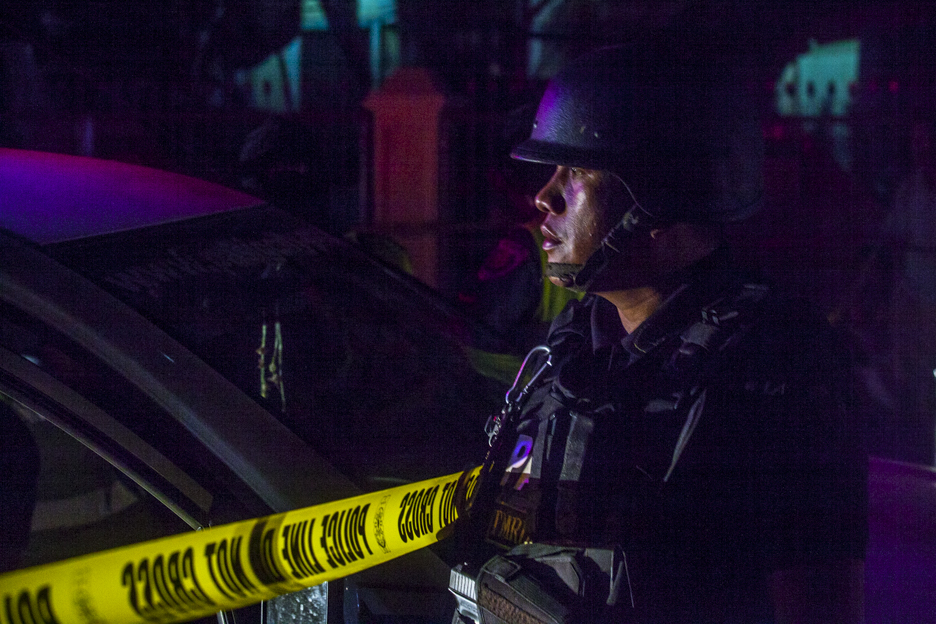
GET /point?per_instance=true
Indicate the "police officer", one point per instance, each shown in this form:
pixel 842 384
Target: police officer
pixel 684 451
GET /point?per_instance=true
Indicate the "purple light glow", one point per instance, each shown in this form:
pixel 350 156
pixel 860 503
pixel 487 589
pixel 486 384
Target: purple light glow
pixel 49 198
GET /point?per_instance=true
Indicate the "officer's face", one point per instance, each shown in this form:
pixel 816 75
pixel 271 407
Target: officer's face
pixel 579 207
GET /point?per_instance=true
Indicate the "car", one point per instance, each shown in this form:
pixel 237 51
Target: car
pixel 179 355
pixel 140 312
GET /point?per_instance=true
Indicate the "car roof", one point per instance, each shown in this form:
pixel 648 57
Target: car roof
pixel 49 198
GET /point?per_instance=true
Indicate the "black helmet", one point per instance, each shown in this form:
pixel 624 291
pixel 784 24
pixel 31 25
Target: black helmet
pixel 666 121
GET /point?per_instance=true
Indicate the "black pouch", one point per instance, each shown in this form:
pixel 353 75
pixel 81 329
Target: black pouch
pixel 546 584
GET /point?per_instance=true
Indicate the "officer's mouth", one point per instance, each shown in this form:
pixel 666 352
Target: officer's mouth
pixel 550 239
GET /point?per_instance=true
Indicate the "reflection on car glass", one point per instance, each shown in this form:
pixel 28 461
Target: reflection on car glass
pixel 19 467
pixel 77 502
pixel 224 257
pixel 367 368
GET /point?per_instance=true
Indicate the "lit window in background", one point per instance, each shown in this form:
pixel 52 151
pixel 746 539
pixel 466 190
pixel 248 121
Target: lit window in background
pixel 275 84
pixel 820 81
pixel 369 12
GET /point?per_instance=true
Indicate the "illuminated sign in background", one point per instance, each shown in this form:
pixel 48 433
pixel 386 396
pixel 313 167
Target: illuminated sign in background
pixel 275 84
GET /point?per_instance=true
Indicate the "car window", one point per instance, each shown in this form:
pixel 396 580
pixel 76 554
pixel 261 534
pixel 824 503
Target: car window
pixel 69 501
pixel 48 373
pixel 360 361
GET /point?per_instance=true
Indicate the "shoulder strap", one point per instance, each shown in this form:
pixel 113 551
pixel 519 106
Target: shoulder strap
pixel 719 325
pixel 722 323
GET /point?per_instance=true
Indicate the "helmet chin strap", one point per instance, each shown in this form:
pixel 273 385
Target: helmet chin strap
pixel 581 277
pixel 565 272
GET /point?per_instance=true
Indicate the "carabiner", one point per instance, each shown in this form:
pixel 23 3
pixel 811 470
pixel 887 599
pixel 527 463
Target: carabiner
pixel 512 403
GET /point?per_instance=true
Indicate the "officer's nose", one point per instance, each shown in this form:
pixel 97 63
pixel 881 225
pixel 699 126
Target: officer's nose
pixel 549 198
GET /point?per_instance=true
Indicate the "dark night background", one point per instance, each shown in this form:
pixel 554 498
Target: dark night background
pixel 284 99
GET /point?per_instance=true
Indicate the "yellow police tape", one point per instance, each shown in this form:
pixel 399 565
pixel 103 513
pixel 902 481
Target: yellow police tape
pixel 188 576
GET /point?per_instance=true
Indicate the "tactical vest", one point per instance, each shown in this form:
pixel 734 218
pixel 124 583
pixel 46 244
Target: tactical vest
pixel 594 445
pixel 633 478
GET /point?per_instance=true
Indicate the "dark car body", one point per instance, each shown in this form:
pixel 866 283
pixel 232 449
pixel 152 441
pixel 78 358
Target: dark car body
pixel 133 303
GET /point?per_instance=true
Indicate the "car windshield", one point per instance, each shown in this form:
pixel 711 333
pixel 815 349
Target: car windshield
pixel 358 359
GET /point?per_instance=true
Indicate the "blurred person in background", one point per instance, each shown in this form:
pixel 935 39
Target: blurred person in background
pixel 508 292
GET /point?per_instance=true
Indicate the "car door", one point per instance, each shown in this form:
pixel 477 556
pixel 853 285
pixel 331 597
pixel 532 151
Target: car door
pixel 90 460
pixel 136 437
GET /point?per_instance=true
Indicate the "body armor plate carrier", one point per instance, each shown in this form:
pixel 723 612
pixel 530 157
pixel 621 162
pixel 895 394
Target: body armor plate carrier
pixel 581 452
